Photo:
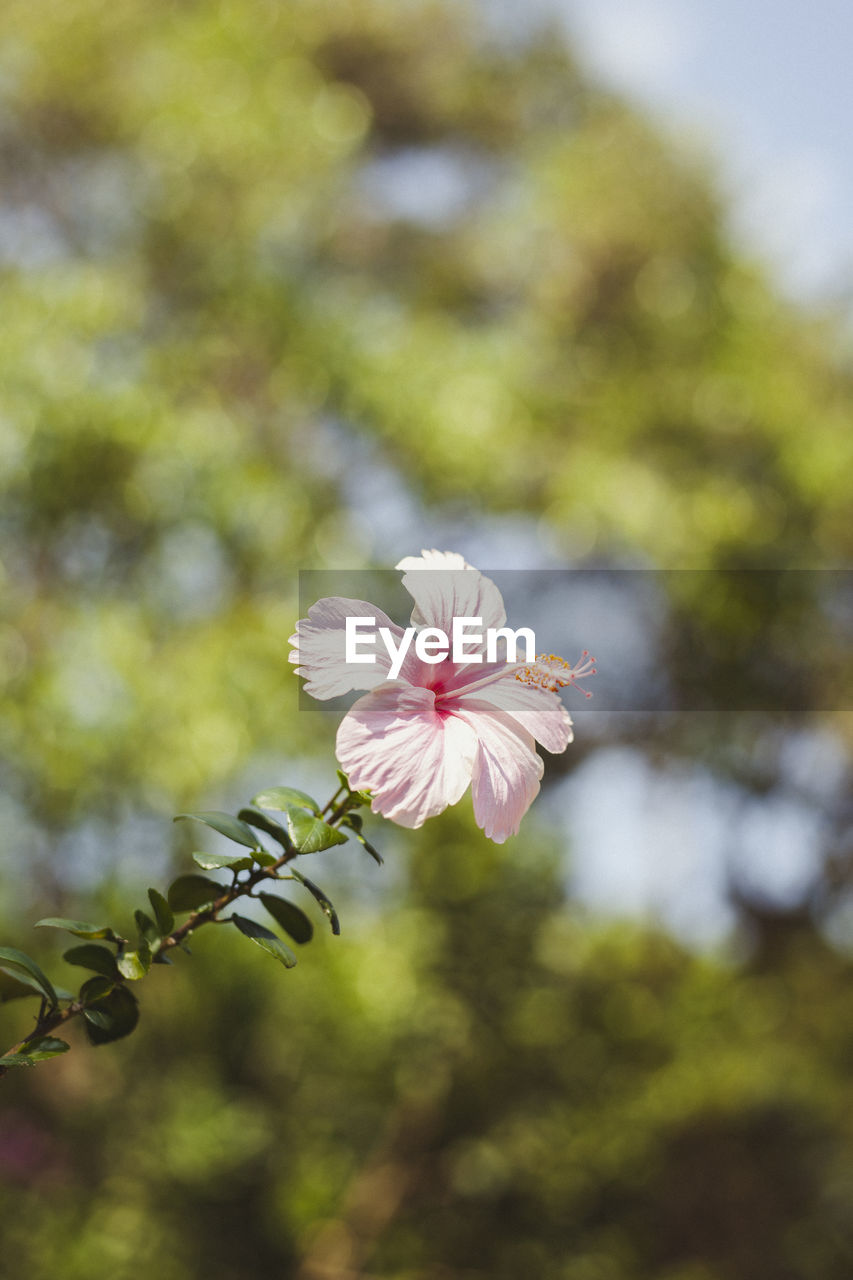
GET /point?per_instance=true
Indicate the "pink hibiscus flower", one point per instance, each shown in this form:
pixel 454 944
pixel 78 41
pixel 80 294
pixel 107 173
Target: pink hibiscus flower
pixel 418 741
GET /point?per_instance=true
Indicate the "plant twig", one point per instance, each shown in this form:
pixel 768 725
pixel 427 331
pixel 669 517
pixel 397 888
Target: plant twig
pixel 50 1018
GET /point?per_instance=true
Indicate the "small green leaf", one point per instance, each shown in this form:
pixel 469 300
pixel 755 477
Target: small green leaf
pixel 219 861
pixel 226 824
pixel 79 928
pixel 320 897
pixel 266 939
pixel 356 822
pixel 114 1015
pixel 264 859
pixel 267 825
pixel 95 989
pixel 288 915
pixel 363 797
pixel 147 928
pixel 15 983
pixel 98 1018
pixel 311 834
pixel 135 964
pixel 15 988
pixel 16 1060
pixel 21 966
pixel 38 1050
pixel 368 848
pixel 90 956
pixel 282 797
pixel 92 994
pixel 188 893
pixel 162 912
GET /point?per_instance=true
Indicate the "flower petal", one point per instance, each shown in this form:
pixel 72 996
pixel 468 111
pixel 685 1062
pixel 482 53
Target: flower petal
pixel 395 744
pixel 320 648
pixel 443 587
pixel 434 560
pixel 539 711
pixel 506 771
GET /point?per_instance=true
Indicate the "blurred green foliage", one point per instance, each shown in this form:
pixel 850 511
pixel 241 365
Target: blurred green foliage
pixel 246 245
pixel 479 1084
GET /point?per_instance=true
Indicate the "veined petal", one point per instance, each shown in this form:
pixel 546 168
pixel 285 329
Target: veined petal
pixel 457 676
pixel 443 587
pixel 538 711
pixel 320 648
pixel 395 744
pixel 506 771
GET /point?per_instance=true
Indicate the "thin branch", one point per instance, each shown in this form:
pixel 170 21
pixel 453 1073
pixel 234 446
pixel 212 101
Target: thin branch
pixel 48 1021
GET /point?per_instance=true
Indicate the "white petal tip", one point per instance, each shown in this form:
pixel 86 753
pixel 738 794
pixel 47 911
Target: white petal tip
pixel 432 559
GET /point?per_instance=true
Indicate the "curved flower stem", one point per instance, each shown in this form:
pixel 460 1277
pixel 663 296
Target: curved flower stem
pixel 338 813
pixel 51 1019
pixel 328 805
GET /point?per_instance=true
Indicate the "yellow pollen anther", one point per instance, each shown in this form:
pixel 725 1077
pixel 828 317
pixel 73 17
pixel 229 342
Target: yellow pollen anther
pixel 552 672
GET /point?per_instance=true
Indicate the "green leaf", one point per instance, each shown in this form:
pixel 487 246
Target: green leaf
pixel 79 928
pixel 15 988
pixel 15 983
pixel 38 1050
pixel 266 939
pixel 21 966
pixel 226 824
pixel 90 956
pixel 264 859
pixel 162 912
pixel 114 1015
pixel 311 834
pixel 282 797
pixel 95 989
pixel 288 915
pixel 363 797
pixel 98 1018
pixel 319 896
pixel 92 993
pixel 267 825
pixel 368 848
pixel 227 861
pixel 135 964
pixel 188 893
pixel 147 928
pixel 356 822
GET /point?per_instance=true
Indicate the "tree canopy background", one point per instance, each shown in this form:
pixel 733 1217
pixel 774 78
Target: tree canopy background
pixel 282 283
